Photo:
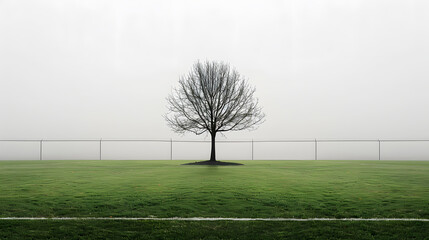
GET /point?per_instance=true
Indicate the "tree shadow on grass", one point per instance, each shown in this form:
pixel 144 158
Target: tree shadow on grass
pixel 214 163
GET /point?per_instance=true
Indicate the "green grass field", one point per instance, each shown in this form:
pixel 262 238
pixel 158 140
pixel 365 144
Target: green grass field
pixel 262 189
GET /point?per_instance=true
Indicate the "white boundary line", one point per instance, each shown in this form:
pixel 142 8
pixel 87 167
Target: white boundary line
pixel 218 219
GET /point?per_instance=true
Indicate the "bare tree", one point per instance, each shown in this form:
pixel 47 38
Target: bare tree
pixel 213 98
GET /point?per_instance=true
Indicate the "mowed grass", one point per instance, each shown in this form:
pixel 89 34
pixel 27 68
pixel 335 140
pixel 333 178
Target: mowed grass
pixel 263 189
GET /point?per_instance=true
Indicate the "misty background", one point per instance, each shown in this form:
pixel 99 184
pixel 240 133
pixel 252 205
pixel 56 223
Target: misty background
pixel 325 69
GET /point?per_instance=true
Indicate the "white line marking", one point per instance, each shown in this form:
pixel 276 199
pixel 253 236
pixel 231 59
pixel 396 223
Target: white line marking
pixel 218 219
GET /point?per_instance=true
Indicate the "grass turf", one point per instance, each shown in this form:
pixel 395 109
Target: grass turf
pixel 211 230
pixel 301 189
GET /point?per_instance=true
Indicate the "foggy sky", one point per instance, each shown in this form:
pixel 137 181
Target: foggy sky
pixel 322 68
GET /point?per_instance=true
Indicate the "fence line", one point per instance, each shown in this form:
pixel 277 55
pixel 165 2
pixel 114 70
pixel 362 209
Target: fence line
pixel 252 142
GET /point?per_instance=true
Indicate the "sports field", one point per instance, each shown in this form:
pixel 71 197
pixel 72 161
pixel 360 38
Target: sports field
pixel 258 189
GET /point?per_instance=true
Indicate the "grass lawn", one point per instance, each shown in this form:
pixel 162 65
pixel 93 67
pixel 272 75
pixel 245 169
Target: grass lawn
pixel 300 189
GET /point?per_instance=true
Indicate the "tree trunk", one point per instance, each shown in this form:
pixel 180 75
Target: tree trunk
pixel 213 154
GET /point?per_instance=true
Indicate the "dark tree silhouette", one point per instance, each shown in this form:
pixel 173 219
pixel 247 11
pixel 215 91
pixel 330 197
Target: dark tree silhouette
pixel 213 98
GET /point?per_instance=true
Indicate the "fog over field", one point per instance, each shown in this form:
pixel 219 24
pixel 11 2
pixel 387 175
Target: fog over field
pixel 325 69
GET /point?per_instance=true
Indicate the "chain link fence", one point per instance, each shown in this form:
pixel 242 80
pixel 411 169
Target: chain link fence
pixel 150 149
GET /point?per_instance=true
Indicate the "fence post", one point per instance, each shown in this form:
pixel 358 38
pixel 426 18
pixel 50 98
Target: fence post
pixel 171 149
pixel 315 149
pixel 379 149
pixel 252 148
pixel 41 149
pixel 100 148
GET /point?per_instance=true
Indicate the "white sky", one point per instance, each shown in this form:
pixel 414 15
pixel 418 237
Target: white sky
pixel 322 68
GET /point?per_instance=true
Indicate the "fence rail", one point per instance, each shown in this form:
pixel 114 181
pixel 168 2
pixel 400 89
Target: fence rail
pixel 315 143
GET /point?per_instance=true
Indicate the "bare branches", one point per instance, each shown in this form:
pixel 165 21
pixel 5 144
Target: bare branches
pixel 213 98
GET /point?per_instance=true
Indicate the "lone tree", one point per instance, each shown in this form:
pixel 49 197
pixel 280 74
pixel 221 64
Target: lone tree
pixel 213 98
